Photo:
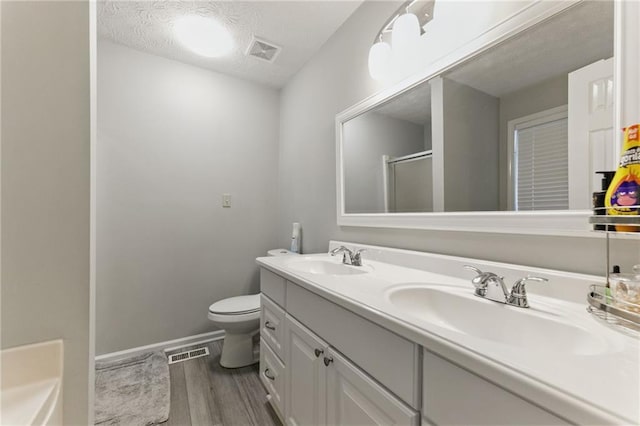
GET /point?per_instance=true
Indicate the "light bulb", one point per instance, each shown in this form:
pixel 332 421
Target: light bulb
pixel 405 33
pixel 203 36
pixel 379 60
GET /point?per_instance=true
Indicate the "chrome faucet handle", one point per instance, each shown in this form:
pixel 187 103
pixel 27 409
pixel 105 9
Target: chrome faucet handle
pixel 474 269
pixel 489 285
pixel 341 249
pixel 356 258
pixel 518 296
pixel 337 250
pixel 347 256
pixel 479 281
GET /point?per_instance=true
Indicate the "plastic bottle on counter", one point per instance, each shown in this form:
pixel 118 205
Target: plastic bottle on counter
pixel 622 196
pixel 295 238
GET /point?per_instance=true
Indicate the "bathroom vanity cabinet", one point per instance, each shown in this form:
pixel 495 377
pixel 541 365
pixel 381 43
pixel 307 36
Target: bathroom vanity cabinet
pixel 315 382
pixel 323 364
pixel 323 387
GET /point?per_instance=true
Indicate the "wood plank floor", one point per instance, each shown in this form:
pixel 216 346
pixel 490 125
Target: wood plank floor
pixel 203 393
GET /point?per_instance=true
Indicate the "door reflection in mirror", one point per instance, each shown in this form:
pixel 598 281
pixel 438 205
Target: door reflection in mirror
pixel 371 139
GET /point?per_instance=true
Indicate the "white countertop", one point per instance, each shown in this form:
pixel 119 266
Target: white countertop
pixel 595 385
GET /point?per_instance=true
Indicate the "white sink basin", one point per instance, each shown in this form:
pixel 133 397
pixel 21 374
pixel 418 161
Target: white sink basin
pixel 460 311
pixel 325 267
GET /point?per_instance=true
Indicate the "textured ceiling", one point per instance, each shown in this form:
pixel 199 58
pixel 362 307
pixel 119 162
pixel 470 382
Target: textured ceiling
pixel 564 43
pixel 577 37
pixel 413 105
pixel 299 27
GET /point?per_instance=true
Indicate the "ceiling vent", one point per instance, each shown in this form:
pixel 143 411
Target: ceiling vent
pixel 263 50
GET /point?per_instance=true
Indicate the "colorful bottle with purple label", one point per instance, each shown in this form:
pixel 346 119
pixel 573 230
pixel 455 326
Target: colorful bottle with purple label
pixel 622 195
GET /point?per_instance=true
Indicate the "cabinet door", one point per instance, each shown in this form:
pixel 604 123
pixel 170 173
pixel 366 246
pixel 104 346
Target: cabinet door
pixel 354 398
pixel 455 396
pixel 305 391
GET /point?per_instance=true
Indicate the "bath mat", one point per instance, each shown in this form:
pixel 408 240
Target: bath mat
pixel 133 391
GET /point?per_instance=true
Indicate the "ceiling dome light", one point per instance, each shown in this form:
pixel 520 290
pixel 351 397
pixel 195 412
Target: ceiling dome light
pixel 203 36
pixel 405 33
pixel 379 60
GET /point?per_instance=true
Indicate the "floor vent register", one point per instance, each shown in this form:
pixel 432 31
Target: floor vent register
pixel 185 356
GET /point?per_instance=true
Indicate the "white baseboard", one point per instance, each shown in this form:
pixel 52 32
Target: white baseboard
pixel 167 346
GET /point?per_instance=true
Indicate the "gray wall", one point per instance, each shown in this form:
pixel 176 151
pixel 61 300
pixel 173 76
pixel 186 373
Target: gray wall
pixel 428 136
pixel 530 100
pixel 337 78
pixel 465 147
pixel 45 185
pixel 366 139
pixel 172 139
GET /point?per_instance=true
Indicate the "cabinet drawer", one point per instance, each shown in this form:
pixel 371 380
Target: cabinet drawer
pixel 387 357
pixel 273 286
pixel 448 387
pixel 272 325
pixel 272 376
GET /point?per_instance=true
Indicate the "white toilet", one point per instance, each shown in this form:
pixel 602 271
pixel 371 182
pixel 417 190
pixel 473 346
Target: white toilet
pixel 239 317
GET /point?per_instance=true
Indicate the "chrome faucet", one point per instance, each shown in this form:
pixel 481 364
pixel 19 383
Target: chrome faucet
pixel 518 296
pixel 491 286
pixel 350 257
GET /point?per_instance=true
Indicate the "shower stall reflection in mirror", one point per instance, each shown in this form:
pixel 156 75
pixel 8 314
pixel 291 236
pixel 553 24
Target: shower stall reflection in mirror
pixel 408 183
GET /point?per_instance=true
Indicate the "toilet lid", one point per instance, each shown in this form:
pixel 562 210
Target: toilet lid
pixel 236 305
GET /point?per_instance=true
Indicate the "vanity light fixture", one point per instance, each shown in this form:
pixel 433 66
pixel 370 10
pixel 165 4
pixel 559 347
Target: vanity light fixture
pixel 204 36
pixel 405 27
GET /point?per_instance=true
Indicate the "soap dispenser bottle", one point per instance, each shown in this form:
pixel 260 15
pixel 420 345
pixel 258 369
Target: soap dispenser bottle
pixel 622 195
pixel 295 238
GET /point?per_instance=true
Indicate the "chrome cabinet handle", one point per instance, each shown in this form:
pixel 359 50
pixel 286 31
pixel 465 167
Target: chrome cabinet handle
pixel 266 374
pixel 318 352
pixel 327 361
pixel 268 325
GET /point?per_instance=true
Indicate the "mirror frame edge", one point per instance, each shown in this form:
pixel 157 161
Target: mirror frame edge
pixel 568 223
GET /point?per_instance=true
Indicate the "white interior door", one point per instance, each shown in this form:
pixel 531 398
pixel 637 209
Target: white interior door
pixel 592 145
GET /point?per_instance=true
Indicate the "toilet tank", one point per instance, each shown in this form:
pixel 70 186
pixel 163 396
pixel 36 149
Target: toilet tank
pixel 280 252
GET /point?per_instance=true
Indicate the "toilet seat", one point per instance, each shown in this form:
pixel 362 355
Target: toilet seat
pixel 240 305
pixel 234 318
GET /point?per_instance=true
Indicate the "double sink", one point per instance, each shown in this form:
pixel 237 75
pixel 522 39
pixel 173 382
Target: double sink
pixel 553 353
pixel 455 309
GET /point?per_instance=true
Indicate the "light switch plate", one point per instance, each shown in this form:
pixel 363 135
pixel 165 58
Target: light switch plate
pixel 226 200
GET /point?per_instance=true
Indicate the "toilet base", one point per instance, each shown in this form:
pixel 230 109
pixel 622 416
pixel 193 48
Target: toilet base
pixel 237 350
